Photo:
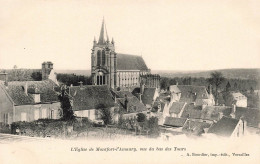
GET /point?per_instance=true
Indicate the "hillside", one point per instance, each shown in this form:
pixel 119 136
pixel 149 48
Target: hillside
pixel 228 73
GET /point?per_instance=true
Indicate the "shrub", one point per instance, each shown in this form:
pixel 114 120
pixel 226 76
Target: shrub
pixel 141 117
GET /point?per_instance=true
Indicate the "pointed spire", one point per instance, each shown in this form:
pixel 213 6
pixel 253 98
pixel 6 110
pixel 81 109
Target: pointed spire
pixel 112 41
pixel 95 41
pixel 102 36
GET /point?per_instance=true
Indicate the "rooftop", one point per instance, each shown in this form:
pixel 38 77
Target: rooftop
pixel 91 97
pixel 130 62
pixel 177 107
pixel 46 89
pixel 224 127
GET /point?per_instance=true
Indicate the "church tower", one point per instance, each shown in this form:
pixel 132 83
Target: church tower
pixel 103 60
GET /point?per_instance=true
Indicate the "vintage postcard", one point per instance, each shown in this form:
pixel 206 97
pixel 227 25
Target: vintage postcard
pixel 140 81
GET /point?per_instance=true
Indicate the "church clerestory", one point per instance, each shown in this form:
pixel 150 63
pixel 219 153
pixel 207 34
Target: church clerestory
pixel 117 70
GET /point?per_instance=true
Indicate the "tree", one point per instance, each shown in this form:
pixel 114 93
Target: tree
pixel 141 117
pixel 37 76
pixel 67 112
pixel 165 83
pixel 106 115
pixel 235 86
pixel 216 79
pixel 228 86
pixel 153 127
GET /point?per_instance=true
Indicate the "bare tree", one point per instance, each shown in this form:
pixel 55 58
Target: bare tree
pixel 216 79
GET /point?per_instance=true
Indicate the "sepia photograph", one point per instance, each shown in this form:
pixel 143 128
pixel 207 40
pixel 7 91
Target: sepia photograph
pixel 133 81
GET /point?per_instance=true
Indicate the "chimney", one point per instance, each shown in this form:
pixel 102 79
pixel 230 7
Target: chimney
pixel 220 115
pixel 115 98
pixel 26 88
pixel 126 103
pixel 4 77
pixel 81 84
pixel 140 98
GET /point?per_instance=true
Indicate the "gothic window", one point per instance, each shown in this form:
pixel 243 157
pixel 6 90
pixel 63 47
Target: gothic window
pixel 99 57
pixel 98 80
pixel 104 80
pixel 101 80
pixel 103 58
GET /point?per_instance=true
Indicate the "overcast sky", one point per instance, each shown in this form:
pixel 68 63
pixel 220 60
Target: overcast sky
pixel 170 35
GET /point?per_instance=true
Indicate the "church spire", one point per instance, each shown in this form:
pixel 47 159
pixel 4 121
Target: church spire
pixel 102 35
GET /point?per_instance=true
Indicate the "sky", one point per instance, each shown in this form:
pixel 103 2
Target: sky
pixel 168 34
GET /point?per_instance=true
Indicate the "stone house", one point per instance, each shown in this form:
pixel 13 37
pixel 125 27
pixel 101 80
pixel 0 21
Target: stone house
pixel 129 105
pixel 228 127
pixel 87 101
pixel 28 101
pixel 236 98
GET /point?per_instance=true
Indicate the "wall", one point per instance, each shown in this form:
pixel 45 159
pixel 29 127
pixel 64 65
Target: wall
pixel 90 114
pixel 6 106
pixel 242 103
pixel 33 112
pixel 238 132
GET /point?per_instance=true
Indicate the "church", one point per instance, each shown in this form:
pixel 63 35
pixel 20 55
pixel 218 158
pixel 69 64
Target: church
pixel 117 70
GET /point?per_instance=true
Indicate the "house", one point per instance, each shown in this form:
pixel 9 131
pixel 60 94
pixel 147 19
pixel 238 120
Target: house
pixel 87 101
pixel 191 111
pixel 214 113
pixel 176 109
pixel 236 98
pixel 191 94
pixel 174 122
pixel 175 93
pixel 251 118
pixel 148 96
pixel 196 128
pixel 28 101
pixel 129 105
pixel 173 125
pixel 228 127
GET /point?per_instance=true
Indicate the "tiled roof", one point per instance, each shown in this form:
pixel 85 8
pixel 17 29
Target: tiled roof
pixel 238 95
pixel 174 89
pixel 133 105
pixel 224 127
pixel 122 94
pixel 16 90
pixel 147 97
pixel 130 62
pixel 176 107
pixel 91 97
pixel 175 122
pixel 212 112
pixel 189 93
pixel 195 127
pixel 192 111
pixel 252 116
